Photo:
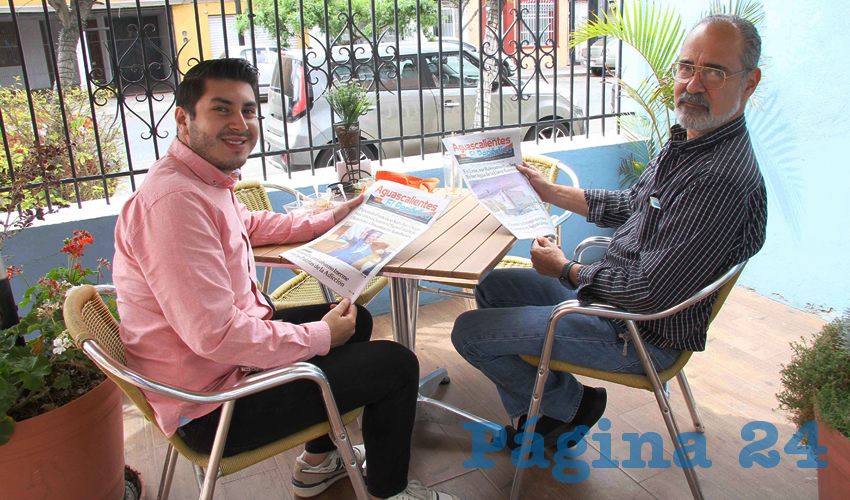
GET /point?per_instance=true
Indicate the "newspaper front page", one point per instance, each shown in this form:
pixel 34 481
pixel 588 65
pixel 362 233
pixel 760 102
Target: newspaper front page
pixel 487 161
pixel 348 256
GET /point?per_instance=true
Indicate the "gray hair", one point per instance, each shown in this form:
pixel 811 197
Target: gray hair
pixel 752 41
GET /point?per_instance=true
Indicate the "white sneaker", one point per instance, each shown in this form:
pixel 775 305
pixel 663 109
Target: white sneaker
pixel 310 480
pixel 415 491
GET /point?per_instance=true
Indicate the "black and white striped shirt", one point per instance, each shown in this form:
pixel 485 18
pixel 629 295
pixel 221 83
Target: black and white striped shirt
pixel 711 215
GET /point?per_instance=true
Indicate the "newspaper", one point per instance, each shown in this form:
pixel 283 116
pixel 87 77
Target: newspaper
pixel 487 163
pixel 348 256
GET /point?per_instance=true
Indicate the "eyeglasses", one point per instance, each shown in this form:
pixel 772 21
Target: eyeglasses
pixel 711 78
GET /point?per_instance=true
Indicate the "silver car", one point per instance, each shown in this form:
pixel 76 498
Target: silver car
pixel 595 62
pixel 410 102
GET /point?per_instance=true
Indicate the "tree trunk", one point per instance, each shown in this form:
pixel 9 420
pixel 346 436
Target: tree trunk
pixel 69 36
pixel 490 56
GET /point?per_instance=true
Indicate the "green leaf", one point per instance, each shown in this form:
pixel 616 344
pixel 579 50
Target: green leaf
pixel 62 381
pixel 8 396
pixel 7 427
pixel 32 371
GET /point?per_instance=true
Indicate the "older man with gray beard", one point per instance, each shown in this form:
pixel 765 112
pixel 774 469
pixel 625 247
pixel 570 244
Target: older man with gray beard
pixel 698 209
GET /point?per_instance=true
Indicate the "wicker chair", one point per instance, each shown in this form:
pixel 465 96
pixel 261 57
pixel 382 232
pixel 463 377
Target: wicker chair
pixel 303 289
pixel 653 380
pixel 95 331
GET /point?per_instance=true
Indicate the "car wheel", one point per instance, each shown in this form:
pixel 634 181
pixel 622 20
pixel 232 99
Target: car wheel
pixel 544 132
pixel 323 159
pixel 596 71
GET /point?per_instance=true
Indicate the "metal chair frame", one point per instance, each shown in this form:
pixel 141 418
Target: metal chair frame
pixel 661 395
pixel 250 385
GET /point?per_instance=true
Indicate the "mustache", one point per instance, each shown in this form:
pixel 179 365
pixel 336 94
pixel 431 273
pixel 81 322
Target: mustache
pixel 698 99
pixel 245 135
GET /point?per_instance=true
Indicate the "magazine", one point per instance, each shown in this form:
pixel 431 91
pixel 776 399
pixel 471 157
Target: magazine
pixel 487 161
pixel 348 256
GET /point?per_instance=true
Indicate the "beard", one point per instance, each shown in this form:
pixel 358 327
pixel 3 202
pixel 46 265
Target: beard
pixel 209 147
pixel 701 119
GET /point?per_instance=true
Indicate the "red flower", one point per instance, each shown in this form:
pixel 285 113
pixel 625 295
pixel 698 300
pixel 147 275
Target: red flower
pixel 12 271
pixel 75 246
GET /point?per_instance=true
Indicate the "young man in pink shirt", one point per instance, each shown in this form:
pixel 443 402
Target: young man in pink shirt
pixel 192 315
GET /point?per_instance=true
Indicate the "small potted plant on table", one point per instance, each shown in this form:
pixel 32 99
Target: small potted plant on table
pixel 349 101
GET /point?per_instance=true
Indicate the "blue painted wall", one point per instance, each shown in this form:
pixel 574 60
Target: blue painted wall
pixel 37 249
pixel 800 131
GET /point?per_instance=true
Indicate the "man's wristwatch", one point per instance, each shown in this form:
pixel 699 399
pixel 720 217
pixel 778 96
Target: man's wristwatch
pixel 565 273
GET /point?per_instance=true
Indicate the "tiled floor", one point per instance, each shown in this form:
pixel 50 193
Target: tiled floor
pixel 734 382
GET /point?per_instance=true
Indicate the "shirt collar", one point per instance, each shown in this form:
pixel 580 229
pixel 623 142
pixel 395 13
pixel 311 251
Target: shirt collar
pixel 679 136
pixel 205 170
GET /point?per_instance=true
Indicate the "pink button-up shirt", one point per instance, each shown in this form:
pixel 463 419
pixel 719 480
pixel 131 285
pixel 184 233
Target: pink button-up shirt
pixel 191 312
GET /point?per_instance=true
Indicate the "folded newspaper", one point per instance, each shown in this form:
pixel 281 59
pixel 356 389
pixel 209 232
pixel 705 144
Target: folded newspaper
pixel 349 255
pixel 487 161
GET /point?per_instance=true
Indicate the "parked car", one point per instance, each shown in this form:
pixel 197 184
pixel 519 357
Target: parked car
pixel 611 54
pixel 509 64
pixel 409 104
pixel 266 57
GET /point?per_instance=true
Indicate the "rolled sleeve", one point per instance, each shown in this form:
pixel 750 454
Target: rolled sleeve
pixel 595 199
pixel 608 208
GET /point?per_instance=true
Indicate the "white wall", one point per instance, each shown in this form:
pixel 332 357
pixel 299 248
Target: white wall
pixel 801 135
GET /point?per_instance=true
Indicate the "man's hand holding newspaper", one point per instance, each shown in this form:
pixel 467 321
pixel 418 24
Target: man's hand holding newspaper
pixel 365 238
pixel 489 163
pixel 340 320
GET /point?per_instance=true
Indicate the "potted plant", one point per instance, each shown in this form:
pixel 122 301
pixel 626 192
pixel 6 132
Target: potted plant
pixel 349 100
pixel 61 424
pixel 816 387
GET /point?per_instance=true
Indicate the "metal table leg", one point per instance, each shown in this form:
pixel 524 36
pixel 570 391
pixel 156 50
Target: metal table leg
pixel 404 295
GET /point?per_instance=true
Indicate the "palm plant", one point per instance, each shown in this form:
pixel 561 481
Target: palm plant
pixel 656 33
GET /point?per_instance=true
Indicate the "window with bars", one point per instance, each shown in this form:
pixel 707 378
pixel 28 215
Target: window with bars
pixel 538 22
pixel 10 55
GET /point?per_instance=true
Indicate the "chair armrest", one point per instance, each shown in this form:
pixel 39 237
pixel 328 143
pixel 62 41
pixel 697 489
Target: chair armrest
pixel 609 311
pixel 293 192
pixel 557 220
pixel 106 290
pixel 591 242
pixel 249 385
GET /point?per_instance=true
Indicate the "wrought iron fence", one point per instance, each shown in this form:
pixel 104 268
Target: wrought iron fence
pixel 98 107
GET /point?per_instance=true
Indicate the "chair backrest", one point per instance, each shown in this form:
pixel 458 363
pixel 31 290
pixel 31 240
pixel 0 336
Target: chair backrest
pixel 88 318
pixel 253 195
pixel 547 166
pixel 723 293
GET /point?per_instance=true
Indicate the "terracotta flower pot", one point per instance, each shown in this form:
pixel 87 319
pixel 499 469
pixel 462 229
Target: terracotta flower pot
pixel 834 479
pixel 73 452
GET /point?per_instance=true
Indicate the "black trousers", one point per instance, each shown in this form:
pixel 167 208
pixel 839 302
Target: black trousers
pixel 381 375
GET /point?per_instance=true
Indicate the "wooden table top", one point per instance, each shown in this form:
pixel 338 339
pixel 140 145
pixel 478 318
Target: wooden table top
pixel 462 244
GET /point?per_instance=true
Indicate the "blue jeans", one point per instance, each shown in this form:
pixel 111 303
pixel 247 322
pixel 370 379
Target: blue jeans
pixel 514 307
